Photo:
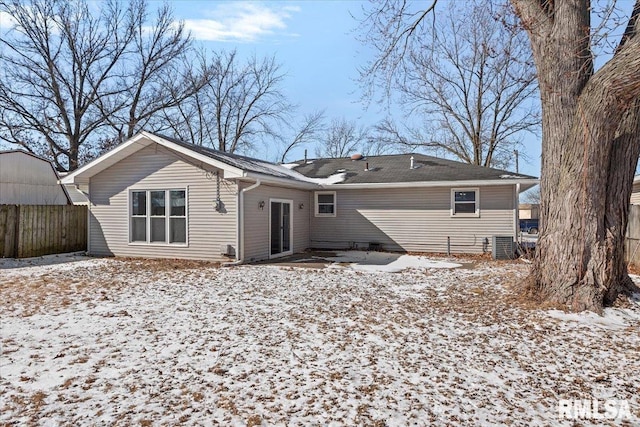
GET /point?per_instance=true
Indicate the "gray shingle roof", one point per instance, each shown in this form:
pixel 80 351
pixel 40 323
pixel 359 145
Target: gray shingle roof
pixel 382 169
pixel 396 168
pixel 241 162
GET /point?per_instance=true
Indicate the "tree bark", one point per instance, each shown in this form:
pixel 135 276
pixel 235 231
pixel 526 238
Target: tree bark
pixel 590 146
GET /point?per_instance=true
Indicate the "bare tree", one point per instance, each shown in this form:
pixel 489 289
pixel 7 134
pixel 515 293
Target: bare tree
pixel 341 138
pixel 312 125
pixel 240 105
pixel 59 62
pixel 532 196
pixel 190 120
pixel 590 143
pixel 471 80
pixel 113 73
pixel 404 139
pixel 161 76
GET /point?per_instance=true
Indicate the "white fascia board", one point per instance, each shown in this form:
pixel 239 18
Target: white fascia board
pixel 282 182
pixel 136 143
pixel 478 183
pixel 527 185
pixel 82 175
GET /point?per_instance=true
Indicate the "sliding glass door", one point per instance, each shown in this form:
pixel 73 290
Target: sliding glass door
pixel 280 228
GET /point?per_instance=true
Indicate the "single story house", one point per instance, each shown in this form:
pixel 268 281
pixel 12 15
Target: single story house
pixel 635 192
pixel 27 179
pixel 155 196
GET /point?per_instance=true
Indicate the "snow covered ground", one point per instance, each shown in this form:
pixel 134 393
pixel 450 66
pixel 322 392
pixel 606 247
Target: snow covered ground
pixel 130 342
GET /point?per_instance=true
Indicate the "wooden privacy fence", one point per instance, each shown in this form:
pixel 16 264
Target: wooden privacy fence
pixel 35 230
pixel 632 241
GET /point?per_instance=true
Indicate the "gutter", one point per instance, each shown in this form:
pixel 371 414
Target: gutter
pixel 283 182
pixel 240 228
pixel 527 181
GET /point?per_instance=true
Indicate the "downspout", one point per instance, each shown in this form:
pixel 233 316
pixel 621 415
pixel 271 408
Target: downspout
pixel 516 213
pixel 240 228
pixel 88 214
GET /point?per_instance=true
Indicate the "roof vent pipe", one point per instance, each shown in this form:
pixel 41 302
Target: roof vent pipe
pixel 411 163
pixel 366 167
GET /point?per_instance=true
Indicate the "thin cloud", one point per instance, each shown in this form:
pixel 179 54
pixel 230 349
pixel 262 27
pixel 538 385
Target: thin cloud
pixel 241 22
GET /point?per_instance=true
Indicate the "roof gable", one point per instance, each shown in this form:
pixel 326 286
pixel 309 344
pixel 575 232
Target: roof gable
pixel 145 139
pixel 232 165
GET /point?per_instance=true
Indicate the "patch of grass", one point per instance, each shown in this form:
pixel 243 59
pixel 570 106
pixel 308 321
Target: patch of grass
pixel 166 264
pixel 37 400
pixel 81 359
pixel 254 420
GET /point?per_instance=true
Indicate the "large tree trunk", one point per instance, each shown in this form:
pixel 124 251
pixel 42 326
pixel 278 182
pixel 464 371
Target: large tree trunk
pixel 590 146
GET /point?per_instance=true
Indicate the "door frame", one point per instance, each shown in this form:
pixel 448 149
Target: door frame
pixel 290 251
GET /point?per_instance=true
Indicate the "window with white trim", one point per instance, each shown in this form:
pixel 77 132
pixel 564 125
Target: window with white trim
pixel 158 216
pixel 325 203
pixel 465 202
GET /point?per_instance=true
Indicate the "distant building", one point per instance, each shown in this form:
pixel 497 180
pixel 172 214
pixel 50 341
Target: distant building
pixel 635 193
pixel 529 211
pixel 26 179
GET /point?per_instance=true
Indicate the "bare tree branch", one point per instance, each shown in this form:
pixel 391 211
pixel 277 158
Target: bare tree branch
pixel 341 138
pixel 243 100
pixel 74 82
pixel 470 78
pixel 312 125
pixel 53 70
pixel 399 23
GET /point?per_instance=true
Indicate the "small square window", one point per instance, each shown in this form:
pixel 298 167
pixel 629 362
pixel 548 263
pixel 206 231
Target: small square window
pixel 325 203
pixel 465 202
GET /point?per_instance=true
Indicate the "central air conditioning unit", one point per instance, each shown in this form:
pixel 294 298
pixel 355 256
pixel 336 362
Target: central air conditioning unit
pixel 503 247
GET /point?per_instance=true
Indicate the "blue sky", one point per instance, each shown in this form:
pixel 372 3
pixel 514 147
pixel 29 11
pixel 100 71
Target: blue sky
pixel 317 47
pixel 315 43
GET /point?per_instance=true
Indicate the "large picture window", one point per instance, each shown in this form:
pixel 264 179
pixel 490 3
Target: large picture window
pixel 325 203
pixel 158 216
pixel 465 202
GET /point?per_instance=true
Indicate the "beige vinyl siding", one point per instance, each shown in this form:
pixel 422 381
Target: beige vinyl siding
pixel 635 195
pixel 256 221
pixel 156 168
pixel 414 220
